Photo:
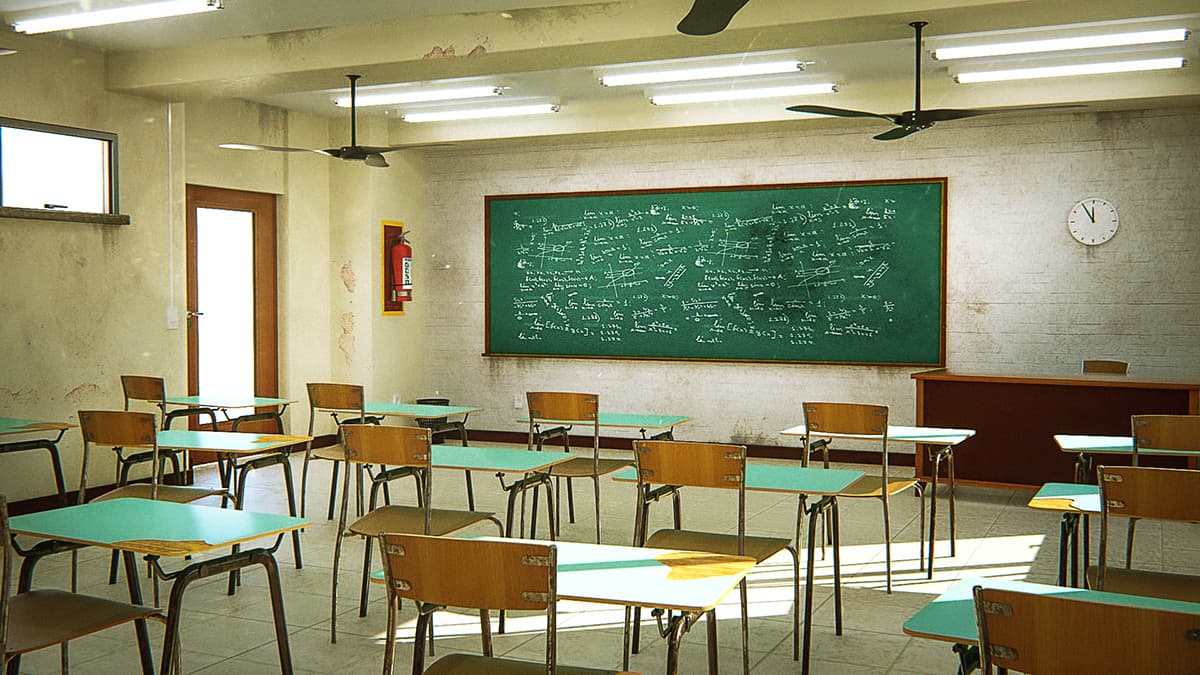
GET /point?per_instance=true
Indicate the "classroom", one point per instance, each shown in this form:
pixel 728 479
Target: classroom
pixel 88 298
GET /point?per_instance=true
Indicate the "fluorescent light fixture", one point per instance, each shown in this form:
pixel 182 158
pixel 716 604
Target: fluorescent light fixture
pixel 1062 44
pixel 710 73
pixel 1069 70
pixel 716 96
pixel 480 113
pixel 122 14
pixel 420 96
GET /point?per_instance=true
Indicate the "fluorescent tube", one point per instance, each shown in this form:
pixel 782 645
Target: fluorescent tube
pixel 1062 44
pixel 112 15
pixel 718 95
pixel 480 113
pixel 419 96
pixel 710 73
pixel 1069 70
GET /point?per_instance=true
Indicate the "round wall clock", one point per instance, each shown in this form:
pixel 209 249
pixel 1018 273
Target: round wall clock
pixel 1093 221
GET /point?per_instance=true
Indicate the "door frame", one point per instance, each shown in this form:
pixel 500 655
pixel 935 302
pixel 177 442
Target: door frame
pixel 266 323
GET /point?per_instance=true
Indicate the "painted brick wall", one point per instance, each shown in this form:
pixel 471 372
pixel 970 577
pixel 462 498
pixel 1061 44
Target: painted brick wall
pixel 1022 294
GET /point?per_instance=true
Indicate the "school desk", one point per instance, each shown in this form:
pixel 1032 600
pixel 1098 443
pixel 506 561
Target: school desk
pixel 939 444
pixel 951 616
pixel 664 425
pixel 1072 500
pixel 225 403
pixel 157 529
pixel 805 482
pixel 14 427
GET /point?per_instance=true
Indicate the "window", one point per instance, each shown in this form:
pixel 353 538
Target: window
pixel 51 167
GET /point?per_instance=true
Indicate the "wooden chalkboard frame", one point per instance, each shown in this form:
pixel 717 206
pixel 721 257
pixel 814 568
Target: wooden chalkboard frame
pixel 942 182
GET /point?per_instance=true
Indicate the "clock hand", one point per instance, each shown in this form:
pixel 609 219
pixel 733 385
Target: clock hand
pixel 1091 213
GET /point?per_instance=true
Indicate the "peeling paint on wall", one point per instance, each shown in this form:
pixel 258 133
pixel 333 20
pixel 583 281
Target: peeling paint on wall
pixel 348 278
pixel 346 339
pixel 440 53
pixel 82 392
pixel 17 395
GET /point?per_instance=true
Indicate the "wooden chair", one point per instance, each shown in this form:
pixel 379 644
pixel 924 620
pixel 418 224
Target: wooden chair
pixel 870 423
pixel 43 618
pixel 554 407
pixel 443 426
pixel 406 448
pixel 1105 366
pixel 1146 492
pixel 706 465
pixel 1058 634
pixel 150 390
pixel 440 572
pixel 335 399
pixel 1178 433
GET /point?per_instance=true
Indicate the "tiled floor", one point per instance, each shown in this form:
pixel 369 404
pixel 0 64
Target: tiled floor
pixel 997 536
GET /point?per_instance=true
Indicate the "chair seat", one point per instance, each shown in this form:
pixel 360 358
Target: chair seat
pixel 1154 584
pixel 579 467
pixel 465 664
pixel 411 520
pixel 873 486
pixel 43 618
pixel 336 453
pixel 759 548
pixel 180 494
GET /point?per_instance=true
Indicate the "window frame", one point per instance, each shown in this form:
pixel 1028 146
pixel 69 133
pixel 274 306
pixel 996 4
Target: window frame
pixel 114 192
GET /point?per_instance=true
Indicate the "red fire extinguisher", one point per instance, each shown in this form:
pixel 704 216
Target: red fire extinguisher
pixel 401 269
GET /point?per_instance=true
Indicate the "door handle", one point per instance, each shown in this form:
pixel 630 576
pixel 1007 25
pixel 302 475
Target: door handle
pixel 192 315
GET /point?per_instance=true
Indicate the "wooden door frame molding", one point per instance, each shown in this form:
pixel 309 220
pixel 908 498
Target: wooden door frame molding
pixel 266 323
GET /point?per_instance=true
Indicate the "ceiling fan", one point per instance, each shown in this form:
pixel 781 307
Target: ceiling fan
pixel 709 17
pixel 912 121
pixel 371 155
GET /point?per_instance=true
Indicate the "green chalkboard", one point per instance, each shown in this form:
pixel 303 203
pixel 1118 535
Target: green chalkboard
pixel 825 273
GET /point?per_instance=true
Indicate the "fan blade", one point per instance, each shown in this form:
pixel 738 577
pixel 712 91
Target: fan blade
pixel 272 148
pixel 375 159
pixel 709 17
pixel 898 132
pixel 381 149
pixel 841 112
pixel 944 114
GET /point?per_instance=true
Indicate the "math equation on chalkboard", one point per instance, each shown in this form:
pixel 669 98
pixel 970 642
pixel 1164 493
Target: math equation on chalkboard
pixel 822 273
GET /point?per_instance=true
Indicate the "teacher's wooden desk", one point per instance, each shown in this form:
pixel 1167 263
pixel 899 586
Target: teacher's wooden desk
pixel 158 529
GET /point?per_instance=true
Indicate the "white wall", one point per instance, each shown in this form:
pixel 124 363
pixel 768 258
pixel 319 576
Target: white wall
pixel 1022 294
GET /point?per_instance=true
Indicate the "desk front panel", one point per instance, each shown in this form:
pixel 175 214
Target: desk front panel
pixel 1015 422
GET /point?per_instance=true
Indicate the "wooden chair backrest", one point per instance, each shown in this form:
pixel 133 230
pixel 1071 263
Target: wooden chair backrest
pixel 712 465
pixel 846 418
pixel 1051 634
pixel 1150 492
pixel 470 573
pixel 117 428
pixel 382 444
pixel 1166 432
pixel 143 388
pixel 1105 366
pixel 334 396
pixel 562 405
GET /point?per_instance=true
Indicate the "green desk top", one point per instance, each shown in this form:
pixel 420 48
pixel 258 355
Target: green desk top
pixel 226 441
pixel 644 577
pixel 624 420
pixel 16 425
pixel 415 410
pixel 211 401
pixel 504 460
pixel 791 478
pixel 1071 497
pixel 951 616
pixel 897 432
pixel 153 527
pixel 1112 445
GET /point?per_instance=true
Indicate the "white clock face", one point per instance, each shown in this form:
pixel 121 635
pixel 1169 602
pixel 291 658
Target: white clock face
pixel 1093 221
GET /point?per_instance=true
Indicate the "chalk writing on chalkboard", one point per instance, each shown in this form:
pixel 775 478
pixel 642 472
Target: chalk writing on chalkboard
pixel 826 273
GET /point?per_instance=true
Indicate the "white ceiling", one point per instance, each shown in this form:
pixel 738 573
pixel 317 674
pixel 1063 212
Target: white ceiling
pixel 295 53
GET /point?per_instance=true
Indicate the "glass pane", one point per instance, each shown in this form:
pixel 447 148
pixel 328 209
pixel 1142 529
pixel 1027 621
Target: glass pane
pixel 225 296
pixel 43 170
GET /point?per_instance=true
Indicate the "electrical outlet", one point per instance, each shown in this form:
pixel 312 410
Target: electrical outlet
pixel 172 318
pixel 518 401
